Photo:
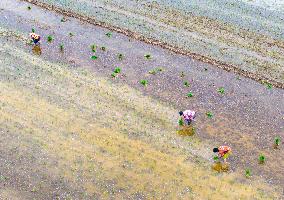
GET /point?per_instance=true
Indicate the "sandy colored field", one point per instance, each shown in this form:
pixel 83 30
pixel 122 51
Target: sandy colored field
pixel 77 119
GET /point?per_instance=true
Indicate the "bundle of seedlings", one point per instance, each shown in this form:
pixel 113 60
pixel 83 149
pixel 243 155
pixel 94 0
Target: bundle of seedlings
pixel 116 71
pixel 248 173
pixel 144 82
pixel 261 159
pixel 155 71
pixel 277 142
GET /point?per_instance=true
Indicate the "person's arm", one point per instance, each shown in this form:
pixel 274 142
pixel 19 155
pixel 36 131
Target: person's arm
pixel 221 154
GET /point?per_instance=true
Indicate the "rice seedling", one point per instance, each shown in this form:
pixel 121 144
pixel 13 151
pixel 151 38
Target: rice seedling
pixel 29 7
pixel 147 56
pixel 209 114
pixel 155 71
pixel 189 94
pixel 63 19
pixel 33 30
pixel 221 90
pixel 49 38
pixel 261 158
pixel 205 69
pixel 186 83
pixel 277 142
pixel 144 82
pixel 269 86
pixel 120 56
pixel 109 34
pixel 215 158
pixel 71 34
pixel 248 173
pixel 113 75
pixel 94 57
pixel 94 48
pixel 117 70
pixel 103 48
pixel 61 47
pixel 180 122
pixel 30 42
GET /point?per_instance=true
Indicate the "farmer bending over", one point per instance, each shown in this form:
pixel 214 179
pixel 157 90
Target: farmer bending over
pixel 223 152
pixel 35 38
pixel 187 115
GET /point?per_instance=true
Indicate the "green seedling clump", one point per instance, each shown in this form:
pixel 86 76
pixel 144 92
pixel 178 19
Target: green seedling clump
pixel 221 90
pixel 186 83
pixel 248 173
pixel 261 158
pixel 33 30
pixel 61 46
pixel 209 114
pixel 113 75
pixel 94 48
pixel 215 158
pixel 147 56
pixel 94 57
pixel 63 19
pixel 269 86
pixel 117 70
pixel 103 48
pixel 180 122
pixel 120 56
pixel 277 141
pixel 30 42
pixel 29 7
pixel 144 82
pixel 71 34
pixel 109 34
pixel 49 38
pixel 189 94
pixel 155 71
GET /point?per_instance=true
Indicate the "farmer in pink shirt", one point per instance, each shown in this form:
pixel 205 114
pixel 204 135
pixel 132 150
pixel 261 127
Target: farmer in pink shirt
pixel 35 38
pixel 187 115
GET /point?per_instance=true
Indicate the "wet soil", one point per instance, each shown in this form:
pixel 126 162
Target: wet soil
pixel 247 116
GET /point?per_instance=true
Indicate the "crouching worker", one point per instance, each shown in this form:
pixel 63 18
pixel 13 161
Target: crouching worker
pixel 35 38
pixel 223 152
pixel 188 116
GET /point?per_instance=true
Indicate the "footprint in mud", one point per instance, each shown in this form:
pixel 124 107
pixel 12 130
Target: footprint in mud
pixel 221 167
pixel 36 50
pixel 186 131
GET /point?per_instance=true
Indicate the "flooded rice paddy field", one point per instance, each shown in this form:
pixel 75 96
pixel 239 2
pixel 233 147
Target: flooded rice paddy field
pixel 71 131
pixel 235 35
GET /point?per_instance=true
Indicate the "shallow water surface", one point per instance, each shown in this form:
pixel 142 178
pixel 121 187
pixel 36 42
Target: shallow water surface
pixel 87 135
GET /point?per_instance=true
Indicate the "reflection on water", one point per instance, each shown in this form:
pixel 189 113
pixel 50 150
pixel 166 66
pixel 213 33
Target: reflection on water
pixel 186 131
pixel 221 167
pixel 36 50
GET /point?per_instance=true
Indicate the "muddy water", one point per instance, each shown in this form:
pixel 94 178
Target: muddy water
pixel 247 117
